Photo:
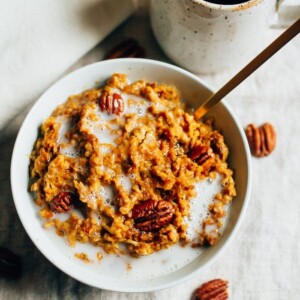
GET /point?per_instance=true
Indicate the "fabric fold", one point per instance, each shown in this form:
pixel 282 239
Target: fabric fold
pixel 42 39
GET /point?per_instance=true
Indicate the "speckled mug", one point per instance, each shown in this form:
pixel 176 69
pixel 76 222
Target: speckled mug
pixel 205 37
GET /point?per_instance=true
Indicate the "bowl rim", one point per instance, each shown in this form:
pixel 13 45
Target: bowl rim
pixel 68 271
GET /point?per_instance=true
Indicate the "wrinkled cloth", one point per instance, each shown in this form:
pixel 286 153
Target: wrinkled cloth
pixel 40 40
pixel 263 260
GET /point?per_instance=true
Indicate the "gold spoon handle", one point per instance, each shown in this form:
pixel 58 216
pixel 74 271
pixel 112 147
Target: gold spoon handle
pixel 285 37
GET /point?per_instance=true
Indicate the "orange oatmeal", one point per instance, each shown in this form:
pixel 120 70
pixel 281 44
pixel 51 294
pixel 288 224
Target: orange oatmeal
pixel 116 167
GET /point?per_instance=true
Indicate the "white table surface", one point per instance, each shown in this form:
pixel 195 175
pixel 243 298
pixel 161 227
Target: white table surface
pixel 263 261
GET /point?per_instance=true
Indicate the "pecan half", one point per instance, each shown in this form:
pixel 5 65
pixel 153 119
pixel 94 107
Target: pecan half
pixel 262 140
pixel 111 103
pixel 215 289
pixel 10 264
pixel 202 155
pixel 128 48
pixel 151 215
pixel 218 146
pixel 63 202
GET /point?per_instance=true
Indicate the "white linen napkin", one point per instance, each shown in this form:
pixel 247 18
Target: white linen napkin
pixel 39 40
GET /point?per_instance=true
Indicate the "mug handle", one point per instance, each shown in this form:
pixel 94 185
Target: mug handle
pixel 286 13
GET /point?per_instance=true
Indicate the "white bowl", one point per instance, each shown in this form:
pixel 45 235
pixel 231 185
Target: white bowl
pixel 193 90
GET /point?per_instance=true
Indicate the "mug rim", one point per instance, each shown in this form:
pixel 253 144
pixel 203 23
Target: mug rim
pixel 228 7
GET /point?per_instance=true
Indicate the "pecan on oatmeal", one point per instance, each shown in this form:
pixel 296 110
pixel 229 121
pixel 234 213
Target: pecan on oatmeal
pixel 202 155
pixel 111 103
pixel 151 215
pixel 62 202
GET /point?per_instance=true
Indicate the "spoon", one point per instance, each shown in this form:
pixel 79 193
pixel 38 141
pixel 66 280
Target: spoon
pixel 254 64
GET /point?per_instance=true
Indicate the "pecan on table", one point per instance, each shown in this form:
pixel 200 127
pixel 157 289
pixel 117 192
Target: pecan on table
pixel 202 155
pixel 215 289
pixel 111 103
pixel 262 140
pixel 10 264
pixel 63 202
pixel 151 215
pixel 128 48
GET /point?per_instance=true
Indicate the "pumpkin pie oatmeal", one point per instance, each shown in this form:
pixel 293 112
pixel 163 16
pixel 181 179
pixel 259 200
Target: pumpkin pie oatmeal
pixel 118 167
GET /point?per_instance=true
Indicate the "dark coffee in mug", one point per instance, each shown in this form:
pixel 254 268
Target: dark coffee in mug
pixel 226 2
